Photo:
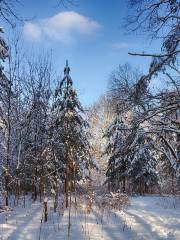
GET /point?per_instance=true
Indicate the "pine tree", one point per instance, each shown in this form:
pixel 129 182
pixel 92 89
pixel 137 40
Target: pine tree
pixel 70 130
pixel 116 134
pixel 142 170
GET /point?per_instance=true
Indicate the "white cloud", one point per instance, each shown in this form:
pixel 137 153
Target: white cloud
pixel 32 31
pixel 64 27
pixel 121 45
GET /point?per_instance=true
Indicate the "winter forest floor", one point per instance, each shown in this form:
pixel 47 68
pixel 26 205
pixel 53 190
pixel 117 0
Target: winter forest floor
pixel 145 218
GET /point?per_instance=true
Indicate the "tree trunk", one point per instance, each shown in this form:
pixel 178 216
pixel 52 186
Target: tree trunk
pixel 124 184
pixel 35 187
pixel 32 189
pixel 40 189
pixel 172 182
pixel 56 195
pixel 6 188
pixel 145 188
pixel 71 190
pixel 8 148
pixel 45 210
pixel 42 182
pixel 66 182
pixel 74 174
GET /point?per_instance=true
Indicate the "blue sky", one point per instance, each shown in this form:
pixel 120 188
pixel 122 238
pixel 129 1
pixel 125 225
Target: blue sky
pixel 90 35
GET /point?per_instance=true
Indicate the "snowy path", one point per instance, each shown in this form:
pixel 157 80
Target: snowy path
pixel 145 219
pixel 150 218
pixel 21 223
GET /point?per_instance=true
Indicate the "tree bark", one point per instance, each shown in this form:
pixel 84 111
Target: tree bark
pixel 124 184
pixel 66 182
pixel 45 210
pixel 74 173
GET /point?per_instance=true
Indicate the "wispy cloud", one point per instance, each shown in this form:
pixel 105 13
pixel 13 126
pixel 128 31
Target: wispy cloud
pixel 121 45
pixel 65 27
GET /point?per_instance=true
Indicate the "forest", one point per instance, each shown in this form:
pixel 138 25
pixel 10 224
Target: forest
pixel 109 170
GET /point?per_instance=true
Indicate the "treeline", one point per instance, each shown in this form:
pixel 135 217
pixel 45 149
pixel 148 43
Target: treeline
pixel 44 147
pixel 143 138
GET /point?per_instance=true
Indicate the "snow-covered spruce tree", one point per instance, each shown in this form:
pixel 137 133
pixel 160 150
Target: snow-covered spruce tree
pixel 70 129
pixel 142 170
pixel 116 134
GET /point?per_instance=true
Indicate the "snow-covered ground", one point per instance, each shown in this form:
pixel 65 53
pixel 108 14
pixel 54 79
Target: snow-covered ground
pixel 146 218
